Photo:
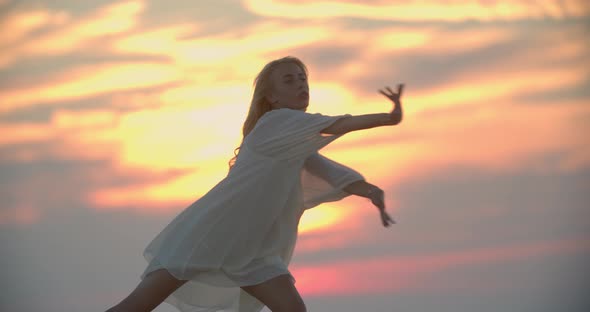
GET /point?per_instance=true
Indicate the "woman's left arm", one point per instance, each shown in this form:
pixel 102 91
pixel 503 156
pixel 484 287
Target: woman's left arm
pixel 375 194
pixel 360 188
pixel 332 172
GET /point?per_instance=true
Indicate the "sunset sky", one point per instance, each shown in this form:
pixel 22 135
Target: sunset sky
pixel 116 115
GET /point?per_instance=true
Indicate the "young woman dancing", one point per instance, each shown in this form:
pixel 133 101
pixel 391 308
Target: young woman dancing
pixel 230 250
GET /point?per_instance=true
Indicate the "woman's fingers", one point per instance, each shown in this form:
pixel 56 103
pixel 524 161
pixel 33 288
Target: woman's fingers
pixel 390 219
pixel 392 95
pixel 386 219
pixel 381 91
pixel 390 91
pixel 378 199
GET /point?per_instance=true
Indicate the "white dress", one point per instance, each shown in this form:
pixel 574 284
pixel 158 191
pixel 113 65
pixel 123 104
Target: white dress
pixel 243 231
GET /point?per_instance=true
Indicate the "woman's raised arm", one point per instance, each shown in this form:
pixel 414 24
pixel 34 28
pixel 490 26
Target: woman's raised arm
pixel 353 123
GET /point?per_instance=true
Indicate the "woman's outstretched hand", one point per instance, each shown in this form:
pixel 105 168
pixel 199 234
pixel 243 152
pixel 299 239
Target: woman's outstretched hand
pixel 377 198
pixel 396 114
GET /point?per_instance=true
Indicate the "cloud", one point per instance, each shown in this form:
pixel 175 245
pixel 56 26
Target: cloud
pixel 24 133
pixel 86 81
pixel 471 137
pixel 35 187
pixel 68 34
pixel 17 25
pixel 154 140
pixel 458 208
pixel 402 273
pixel 455 117
pixel 132 112
pixel 122 109
pixel 20 215
pixel 195 66
pixel 408 11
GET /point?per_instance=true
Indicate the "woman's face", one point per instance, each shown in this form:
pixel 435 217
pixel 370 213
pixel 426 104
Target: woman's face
pixel 289 87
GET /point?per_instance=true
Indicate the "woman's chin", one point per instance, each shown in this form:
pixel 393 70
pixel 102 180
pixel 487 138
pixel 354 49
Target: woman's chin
pixel 300 106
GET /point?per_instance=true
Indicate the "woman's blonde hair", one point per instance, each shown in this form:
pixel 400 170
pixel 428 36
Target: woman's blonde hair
pixel 259 104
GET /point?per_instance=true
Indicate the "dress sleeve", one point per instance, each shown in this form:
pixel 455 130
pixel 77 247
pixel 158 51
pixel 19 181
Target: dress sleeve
pixel 323 180
pixel 289 134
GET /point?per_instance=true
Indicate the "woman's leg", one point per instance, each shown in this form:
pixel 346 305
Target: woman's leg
pixel 278 294
pixel 150 292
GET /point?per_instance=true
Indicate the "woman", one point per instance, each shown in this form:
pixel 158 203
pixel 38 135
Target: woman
pixel 229 250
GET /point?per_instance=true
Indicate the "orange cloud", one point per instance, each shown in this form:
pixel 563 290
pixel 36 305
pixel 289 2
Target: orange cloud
pixel 248 43
pixel 495 134
pixel 16 26
pixel 491 136
pixel 476 118
pixel 24 133
pixel 157 198
pixel 454 122
pixel 198 63
pixel 496 86
pixel 88 81
pixel 75 136
pixel 448 11
pixel 156 140
pixel 433 40
pixel 71 34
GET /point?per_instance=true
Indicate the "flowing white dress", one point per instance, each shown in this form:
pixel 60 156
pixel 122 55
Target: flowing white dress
pixel 243 231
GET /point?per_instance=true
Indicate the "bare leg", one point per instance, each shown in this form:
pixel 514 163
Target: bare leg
pixel 150 292
pixel 278 294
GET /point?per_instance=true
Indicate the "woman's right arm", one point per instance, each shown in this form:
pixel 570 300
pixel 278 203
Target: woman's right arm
pixel 353 123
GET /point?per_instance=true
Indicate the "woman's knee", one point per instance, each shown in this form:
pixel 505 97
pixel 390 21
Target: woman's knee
pixel 150 292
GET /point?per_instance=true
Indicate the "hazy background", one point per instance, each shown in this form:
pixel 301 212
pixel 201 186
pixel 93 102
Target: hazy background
pixel 116 115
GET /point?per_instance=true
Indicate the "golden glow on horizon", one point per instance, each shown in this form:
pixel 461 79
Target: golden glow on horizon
pixel 316 219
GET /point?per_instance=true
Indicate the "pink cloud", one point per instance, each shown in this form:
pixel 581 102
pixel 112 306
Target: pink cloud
pixel 20 215
pixel 401 273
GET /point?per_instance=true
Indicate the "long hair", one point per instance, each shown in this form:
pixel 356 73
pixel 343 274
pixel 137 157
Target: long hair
pixel 260 104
